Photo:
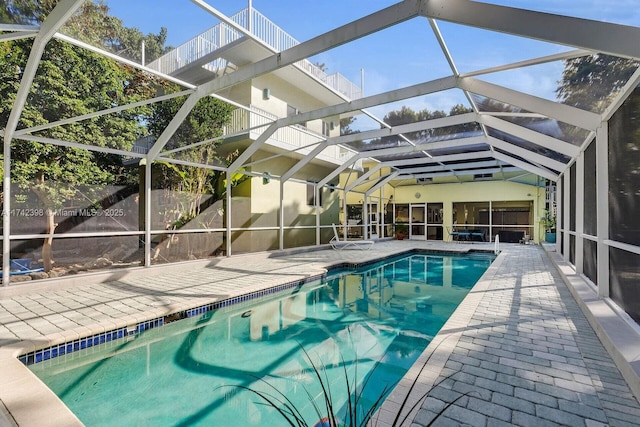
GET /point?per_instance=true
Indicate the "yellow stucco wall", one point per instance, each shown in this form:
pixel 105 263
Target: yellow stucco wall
pixel 282 94
pixel 494 191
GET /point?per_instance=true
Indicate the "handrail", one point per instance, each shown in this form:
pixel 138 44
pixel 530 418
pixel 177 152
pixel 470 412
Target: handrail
pixel 255 121
pixel 223 34
pixel 496 247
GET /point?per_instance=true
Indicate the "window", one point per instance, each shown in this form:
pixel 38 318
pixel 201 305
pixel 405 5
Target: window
pixel 311 196
pixel 326 128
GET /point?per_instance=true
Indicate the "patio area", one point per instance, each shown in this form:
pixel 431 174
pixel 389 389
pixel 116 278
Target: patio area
pixel 519 344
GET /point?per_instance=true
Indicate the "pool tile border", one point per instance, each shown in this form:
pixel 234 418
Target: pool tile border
pixel 51 352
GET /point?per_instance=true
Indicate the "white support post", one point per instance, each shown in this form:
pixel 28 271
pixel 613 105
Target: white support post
pixel 147 213
pixel 566 199
pixel 559 206
pixel 382 227
pixel 228 214
pixel 345 214
pixel 56 19
pixel 281 217
pixel 490 220
pixel 602 209
pixel 6 218
pixel 365 217
pixel 317 189
pixel 579 260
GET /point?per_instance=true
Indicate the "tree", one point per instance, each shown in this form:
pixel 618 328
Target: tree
pixel 70 81
pixel 95 26
pixel 26 11
pixel 205 122
pixel 589 82
pixel 406 115
pixel 345 125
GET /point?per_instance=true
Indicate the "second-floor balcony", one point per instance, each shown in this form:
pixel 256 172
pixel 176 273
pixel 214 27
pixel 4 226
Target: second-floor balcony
pixel 254 122
pixel 249 124
pixel 202 52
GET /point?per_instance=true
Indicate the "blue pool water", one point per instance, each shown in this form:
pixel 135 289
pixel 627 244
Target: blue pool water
pixel 368 325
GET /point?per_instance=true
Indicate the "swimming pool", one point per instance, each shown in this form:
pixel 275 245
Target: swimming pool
pixel 372 322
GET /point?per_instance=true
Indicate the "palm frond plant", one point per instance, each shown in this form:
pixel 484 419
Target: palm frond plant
pixel 354 414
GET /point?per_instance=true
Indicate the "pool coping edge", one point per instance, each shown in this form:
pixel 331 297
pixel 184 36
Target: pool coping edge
pixel 49 403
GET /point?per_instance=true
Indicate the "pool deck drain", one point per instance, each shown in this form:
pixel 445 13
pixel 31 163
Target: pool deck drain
pixel 519 349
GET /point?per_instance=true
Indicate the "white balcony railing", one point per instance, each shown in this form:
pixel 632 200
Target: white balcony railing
pixel 261 27
pixel 256 122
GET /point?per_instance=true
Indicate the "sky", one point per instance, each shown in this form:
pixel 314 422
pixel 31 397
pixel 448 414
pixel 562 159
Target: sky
pixel 399 56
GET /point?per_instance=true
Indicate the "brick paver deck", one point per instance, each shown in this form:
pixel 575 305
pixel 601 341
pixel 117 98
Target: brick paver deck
pixel 518 351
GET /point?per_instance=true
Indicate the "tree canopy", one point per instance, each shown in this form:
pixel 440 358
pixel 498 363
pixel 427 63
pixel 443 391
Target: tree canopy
pixel 589 82
pixel 72 81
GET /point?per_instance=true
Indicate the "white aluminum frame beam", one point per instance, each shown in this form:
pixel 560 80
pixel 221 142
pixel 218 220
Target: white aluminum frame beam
pixel 56 18
pixel 455 168
pixel 620 40
pixel 460 173
pixel 533 136
pixel 312 155
pixel 370 182
pixel 452 143
pixel 622 96
pixel 122 60
pixel 396 130
pixel 386 97
pixel 365 177
pixel 71 144
pixel 409 127
pixel 17 36
pixel 251 150
pixel 117 109
pixel 19 27
pixel 381 183
pixel 527 154
pixel 563 56
pixel 526 166
pixel 357 29
pixel 416 90
pixel 443 158
pixel 564 113
pixel 602 210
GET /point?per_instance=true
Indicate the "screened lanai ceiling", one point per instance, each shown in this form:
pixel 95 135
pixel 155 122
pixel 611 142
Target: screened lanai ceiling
pixel 492 77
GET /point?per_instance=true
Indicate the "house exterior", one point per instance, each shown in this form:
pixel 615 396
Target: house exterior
pixel 266 202
pixel 287 92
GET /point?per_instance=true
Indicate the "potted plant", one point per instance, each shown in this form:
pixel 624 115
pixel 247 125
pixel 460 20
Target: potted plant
pixel 548 221
pixel 402 230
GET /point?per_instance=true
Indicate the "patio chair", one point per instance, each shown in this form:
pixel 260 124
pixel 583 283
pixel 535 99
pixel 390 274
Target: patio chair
pixel 453 234
pixel 338 244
